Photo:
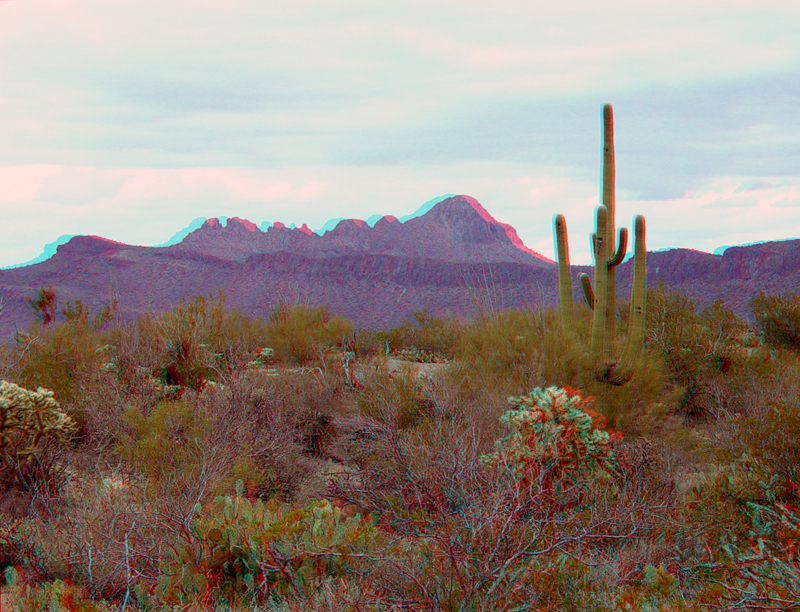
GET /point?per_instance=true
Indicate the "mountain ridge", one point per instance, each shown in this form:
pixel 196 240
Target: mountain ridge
pixel 455 258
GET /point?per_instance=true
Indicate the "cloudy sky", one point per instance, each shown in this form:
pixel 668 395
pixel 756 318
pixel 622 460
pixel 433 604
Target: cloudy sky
pixel 130 119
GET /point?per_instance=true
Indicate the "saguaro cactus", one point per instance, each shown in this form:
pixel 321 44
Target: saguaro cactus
pixel 564 277
pixel 607 256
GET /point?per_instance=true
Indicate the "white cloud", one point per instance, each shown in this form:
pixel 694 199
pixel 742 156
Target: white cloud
pixel 151 204
pixel 130 119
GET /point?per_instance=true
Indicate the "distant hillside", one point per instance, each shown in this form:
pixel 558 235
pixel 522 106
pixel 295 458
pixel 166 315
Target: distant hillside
pixel 456 258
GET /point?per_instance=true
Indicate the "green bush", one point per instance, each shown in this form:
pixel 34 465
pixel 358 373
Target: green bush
pixel 777 319
pixel 171 438
pixel 503 346
pixel 702 351
pixel 300 334
pixel 66 356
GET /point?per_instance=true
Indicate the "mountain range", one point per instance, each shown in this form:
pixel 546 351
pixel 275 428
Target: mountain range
pixel 456 258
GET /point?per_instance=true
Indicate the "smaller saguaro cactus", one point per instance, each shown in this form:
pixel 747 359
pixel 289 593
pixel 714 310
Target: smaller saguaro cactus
pixel 564 277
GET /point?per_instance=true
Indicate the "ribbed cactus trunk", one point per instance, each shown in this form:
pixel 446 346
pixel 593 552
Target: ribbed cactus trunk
pixel 564 273
pixel 609 201
pixel 600 297
pixel 637 313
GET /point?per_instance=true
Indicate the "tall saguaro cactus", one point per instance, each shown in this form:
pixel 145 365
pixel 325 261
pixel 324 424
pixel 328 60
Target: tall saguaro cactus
pixel 607 256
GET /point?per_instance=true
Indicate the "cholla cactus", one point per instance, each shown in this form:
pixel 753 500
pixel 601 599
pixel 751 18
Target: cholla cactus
pixel 555 436
pixel 26 418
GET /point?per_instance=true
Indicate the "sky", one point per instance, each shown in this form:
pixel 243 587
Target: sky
pixel 129 120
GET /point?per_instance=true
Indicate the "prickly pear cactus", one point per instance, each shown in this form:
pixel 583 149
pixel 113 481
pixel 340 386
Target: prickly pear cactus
pixel 243 549
pixel 27 419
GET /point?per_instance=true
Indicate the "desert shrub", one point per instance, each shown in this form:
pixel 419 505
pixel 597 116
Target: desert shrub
pixel 502 346
pixel 517 351
pixel 66 356
pixel 55 595
pixel 279 427
pixel 187 357
pixel 169 438
pixel 434 336
pixel 398 399
pixel 44 305
pixel 195 341
pixel 485 533
pixel 299 334
pixel 746 517
pixel 702 351
pixel 772 436
pixel 777 319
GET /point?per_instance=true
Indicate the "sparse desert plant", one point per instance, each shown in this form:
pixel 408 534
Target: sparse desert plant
pixel 44 305
pixel 64 356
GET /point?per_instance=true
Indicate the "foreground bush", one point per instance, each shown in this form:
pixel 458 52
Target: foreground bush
pixel 519 527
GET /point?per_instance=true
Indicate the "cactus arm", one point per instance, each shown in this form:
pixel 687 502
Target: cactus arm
pixel 564 276
pixel 609 171
pixel 622 246
pixel 609 201
pixel 599 314
pixel 638 311
pixel 588 294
